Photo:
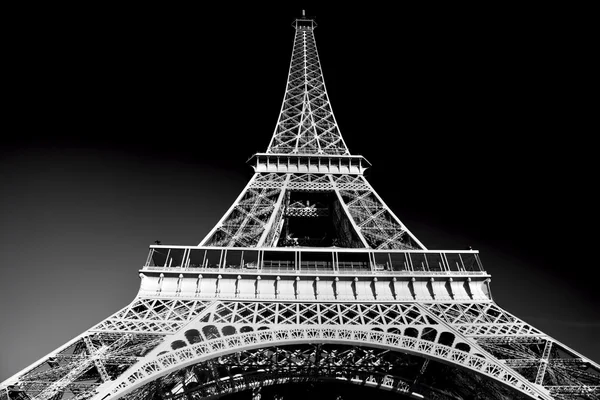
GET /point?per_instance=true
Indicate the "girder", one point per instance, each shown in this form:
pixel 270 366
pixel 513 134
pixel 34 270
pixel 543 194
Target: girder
pixel 379 368
pixel 306 123
pixel 418 329
pixel 222 317
pixel 279 365
pixel 255 219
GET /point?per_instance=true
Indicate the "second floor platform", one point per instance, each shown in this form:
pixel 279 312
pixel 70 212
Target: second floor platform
pixel 310 260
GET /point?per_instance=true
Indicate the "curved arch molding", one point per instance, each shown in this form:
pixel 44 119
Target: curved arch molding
pixel 171 361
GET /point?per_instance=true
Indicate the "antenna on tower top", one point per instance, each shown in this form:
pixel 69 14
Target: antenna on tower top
pixel 304 22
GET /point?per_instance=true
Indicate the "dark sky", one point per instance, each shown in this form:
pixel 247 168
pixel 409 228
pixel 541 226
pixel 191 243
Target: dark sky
pixel 127 126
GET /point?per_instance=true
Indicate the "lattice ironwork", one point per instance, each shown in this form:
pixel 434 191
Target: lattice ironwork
pixel 146 315
pixel 245 222
pixel 306 123
pixel 79 369
pixel 547 363
pixel 285 364
pixel 215 348
pixel 437 335
pixel 212 330
pixel 482 319
pixel 285 313
pixel 378 225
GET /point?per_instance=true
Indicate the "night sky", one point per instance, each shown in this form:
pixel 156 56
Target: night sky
pixel 126 126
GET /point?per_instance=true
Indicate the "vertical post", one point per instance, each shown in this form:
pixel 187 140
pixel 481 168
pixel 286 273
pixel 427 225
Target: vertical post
pixel 539 379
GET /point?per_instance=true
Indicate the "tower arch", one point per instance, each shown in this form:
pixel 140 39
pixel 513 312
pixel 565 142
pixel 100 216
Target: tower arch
pixel 310 261
pixel 216 349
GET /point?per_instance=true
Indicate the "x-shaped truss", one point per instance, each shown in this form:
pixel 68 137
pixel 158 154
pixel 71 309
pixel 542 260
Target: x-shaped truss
pixel 80 368
pixel 244 223
pixel 306 123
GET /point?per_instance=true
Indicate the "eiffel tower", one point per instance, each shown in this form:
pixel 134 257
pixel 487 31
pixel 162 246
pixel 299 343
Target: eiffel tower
pixel 309 278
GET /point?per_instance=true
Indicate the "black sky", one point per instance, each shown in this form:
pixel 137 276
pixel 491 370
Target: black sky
pixel 127 126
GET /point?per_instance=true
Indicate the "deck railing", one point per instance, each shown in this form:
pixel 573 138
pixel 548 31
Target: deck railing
pixel 310 260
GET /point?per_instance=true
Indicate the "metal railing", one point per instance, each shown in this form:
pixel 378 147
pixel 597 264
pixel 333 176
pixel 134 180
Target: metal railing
pixel 328 260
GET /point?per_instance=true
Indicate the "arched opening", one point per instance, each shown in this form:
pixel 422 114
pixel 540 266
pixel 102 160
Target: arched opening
pixel 446 338
pixel 377 329
pixel 263 328
pixel 429 334
pixel 210 332
pixel 380 368
pixel 463 347
pixel 411 332
pixel 178 344
pixel 395 331
pixel 193 336
pixel 228 330
pixel 245 329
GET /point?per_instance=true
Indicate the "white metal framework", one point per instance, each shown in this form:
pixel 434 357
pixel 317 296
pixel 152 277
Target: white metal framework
pixel 257 218
pixel 306 123
pixel 309 277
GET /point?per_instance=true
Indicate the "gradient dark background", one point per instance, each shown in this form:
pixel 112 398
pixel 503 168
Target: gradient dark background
pixel 127 126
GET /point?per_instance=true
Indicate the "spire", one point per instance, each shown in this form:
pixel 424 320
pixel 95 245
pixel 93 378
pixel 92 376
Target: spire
pixel 306 122
pixel 304 22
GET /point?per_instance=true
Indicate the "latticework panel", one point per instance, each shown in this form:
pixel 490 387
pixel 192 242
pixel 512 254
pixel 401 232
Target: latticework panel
pixel 520 346
pixel 396 372
pixel 380 228
pixel 246 221
pixel 216 347
pixel 361 218
pixel 78 370
pixel 306 123
pixel 310 182
pixel 547 363
pixel 267 181
pixel 283 313
pixel 512 352
pixel 350 182
pixel 375 222
pixel 153 316
pixel 482 319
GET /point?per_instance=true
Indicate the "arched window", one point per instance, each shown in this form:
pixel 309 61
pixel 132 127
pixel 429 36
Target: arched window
pixel 178 344
pixel 463 347
pixel 245 329
pixel 446 338
pixel 210 332
pixel 411 332
pixel 193 336
pixel 228 330
pixel 429 334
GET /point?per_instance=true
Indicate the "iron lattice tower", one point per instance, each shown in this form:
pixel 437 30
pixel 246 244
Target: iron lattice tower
pixel 308 277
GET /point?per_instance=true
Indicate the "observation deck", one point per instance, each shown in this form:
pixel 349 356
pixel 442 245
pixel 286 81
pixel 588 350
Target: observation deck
pixel 309 163
pixel 307 273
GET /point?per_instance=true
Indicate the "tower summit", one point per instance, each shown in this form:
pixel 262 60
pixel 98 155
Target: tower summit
pixel 304 22
pixel 309 277
pixel 308 190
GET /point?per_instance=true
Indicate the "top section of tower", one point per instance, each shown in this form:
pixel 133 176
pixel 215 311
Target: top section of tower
pixel 308 190
pixel 306 123
pixel 304 22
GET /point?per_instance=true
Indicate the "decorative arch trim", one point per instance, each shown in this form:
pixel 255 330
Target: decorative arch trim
pixel 174 360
